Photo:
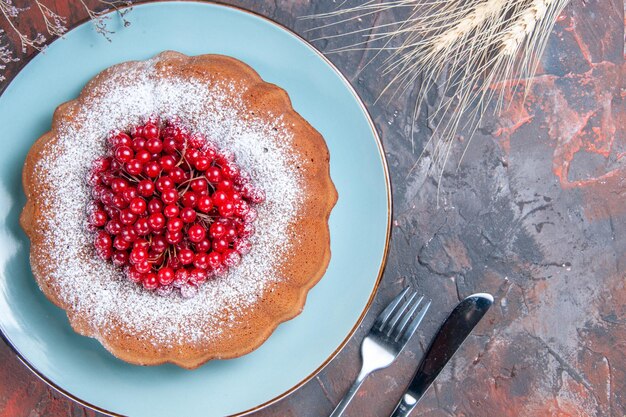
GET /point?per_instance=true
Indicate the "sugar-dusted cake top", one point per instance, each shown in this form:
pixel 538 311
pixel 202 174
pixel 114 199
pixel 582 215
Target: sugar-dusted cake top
pixel 231 310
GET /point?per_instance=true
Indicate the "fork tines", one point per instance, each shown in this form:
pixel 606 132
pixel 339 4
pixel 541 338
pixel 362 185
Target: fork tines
pixel 399 320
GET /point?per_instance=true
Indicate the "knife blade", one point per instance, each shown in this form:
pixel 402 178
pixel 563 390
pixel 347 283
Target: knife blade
pixel 448 339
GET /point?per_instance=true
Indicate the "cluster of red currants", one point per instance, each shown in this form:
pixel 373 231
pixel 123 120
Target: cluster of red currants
pixel 169 207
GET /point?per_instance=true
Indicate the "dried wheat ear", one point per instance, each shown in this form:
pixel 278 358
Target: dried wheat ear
pixel 472 51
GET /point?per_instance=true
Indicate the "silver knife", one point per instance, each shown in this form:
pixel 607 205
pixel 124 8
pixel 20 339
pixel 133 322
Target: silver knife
pixel 450 336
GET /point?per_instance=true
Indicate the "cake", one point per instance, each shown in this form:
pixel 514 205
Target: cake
pixel 178 209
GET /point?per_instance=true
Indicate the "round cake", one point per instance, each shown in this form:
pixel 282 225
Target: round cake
pixel 178 209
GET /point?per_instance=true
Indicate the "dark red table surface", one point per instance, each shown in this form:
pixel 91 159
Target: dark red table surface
pixel 536 215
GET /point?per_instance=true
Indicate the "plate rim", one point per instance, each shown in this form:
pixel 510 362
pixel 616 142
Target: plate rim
pixel 388 193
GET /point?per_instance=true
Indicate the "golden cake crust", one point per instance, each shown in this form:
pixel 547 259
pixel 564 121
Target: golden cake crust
pixel 309 234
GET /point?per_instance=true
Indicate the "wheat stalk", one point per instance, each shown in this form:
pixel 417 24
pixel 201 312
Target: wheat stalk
pixel 471 50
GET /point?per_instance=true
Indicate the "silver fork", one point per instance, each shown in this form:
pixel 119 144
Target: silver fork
pixel 390 333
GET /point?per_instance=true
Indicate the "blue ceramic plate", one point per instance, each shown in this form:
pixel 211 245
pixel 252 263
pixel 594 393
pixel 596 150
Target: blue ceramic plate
pixel 79 366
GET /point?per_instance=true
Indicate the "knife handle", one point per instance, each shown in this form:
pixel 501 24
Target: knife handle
pixel 448 339
pixel 405 406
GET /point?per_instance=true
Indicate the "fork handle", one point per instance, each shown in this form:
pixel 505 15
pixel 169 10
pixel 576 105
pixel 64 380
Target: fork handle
pixel 345 401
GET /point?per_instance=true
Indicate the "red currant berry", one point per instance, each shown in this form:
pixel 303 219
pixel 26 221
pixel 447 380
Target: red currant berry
pixel 231 258
pixel 150 131
pixel 173 237
pixel 175 225
pixel 119 201
pixel 164 183
pixel 150 281
pixel 247 230
pixel 101 164
pixel 215 260
pixel 219 198
pixel 188 215
pixel 113 227
pixel 134 275
pixel 98 218
pixel 227 209
pixel 166 276
pixel 112 212
pixel 143 156
pixel 202 163
pixel 197 140
pixel 107 177
pixel 180 277
pixel 94 179
pixel 138 254
pixel 141 226
pixel 167 163
pixel 138 205
pixel 190 199
pixel 231 233
pixel 197 276
pixel 220 245
pixel 241 209
pixel 181 136
pixel 143 266
pixel 155 206
pixel 141 243
pixel 154 146
pixel 205 204
pixel 124 154
pixel 103 240
pixel 127 217
pixel 159 244
pixel 177 175
pixel 186 256
pixel 120 243
pixel 169 196
pixel 156 221
pixel 196 233
pixel 257 196
pixel 225 185
pixel 138 144
pixel 174 262
pixel 129 194
pixel 134 167
pixel 120 139
pixel 128 234
pixel 210 150
pixel 242 246
pixel 251 216
pixel 199 184
pixel 145 188
pixel 192 155
pixel 170 146
pixel 171 210
pixel 230 170
pixel 214 175
pixel 201 260
pixel 136 131
pixel 115 166
pixel 118 185
pixel 152 169
pixel 217 230
pixel 203 246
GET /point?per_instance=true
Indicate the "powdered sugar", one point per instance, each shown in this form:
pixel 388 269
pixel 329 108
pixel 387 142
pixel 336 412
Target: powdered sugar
pixel 98 289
